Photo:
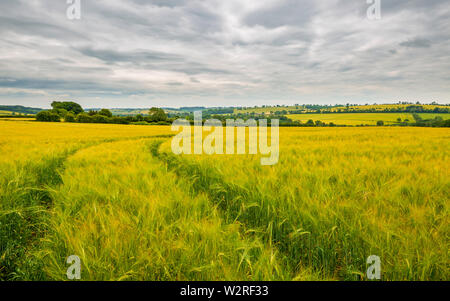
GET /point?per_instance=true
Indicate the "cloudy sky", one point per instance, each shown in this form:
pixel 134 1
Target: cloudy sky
pixel 142 53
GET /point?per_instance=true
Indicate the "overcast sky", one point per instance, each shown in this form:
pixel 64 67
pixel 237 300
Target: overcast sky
pixel 138 53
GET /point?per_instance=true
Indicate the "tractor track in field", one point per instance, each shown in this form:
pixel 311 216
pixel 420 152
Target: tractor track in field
pixel 25 226
pixel 257 215
pixel 55 165
pixel 229 198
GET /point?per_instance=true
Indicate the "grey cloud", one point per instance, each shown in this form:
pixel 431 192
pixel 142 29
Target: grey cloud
pixel 152 60
pixel 174 84
pixel 36 28
pixel 195 69
pixel 52 84
pixel 282 13
pixel 164 3
pixel 141 56
pixel 416 43
pixel 392 7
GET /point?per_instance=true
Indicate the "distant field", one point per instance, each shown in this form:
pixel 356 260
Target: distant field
pixel 362 118
pixel 18 110
pixel 433 115
pixel 383 107
pixel 17 119
pixel 3 113
pixel 269 109
pixel 261 110
pixel 127 112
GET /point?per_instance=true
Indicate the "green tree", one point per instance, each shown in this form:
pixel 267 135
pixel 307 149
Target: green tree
pixel 310 122
pixel 99 119
pixel 47 116
pixel 70 117
pixel 118 120
pixel 139 117
pixel 380 123
pixel 157 114
pixel 61 112
pixel 69 106
pixel 83 118
pixel 105 112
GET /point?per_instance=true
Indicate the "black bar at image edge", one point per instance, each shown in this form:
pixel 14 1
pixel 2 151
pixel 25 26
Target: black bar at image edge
pixel 223 290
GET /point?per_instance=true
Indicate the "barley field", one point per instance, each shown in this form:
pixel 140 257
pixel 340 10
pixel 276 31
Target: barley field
pixel 381 107
pixel 117 197
pixel 355 119
pixel 376 107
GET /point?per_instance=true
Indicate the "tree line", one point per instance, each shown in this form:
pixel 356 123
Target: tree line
pixel 73 112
